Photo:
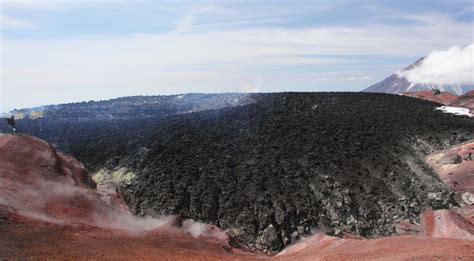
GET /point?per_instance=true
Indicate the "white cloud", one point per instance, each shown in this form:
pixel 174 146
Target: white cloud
pixel 88 67
pixel 452 66
pixel 7 22
pixel 34 4
pixel 185 24
pixel 349 78
pixel 357 78
pixel 468 10
pixel 52 5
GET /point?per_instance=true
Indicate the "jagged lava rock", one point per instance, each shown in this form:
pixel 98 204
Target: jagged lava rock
pixel 342 162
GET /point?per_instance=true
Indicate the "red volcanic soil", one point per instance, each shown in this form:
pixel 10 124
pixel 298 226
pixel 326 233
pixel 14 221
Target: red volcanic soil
pixel 455 166
pixel 443 97
pixel 446 224
pixel 442 235
pixel 39 240
pixel 50 209
pixel 466 101
pixel 39 183
pixel 321 247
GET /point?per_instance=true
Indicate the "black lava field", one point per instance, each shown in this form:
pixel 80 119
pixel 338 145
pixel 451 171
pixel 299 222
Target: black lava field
pixel 269 168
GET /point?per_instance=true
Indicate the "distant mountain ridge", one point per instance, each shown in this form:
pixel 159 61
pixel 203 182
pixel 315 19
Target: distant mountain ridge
pixel 397 84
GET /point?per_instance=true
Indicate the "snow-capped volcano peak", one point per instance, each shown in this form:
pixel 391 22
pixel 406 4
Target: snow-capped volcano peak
pixel 451 70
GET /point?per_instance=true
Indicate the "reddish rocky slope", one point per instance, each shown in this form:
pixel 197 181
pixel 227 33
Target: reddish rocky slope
pixel 466 101
pixel 463 101
pixel 444 97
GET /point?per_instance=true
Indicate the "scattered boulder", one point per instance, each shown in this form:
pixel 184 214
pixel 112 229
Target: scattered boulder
pixel 467 156
pixel 405 227
pixel 468 198
pixel 452 158
pixel 268 240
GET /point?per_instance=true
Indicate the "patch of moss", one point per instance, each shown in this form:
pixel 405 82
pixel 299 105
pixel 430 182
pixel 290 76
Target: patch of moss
pixel 113 178
pixel 35 115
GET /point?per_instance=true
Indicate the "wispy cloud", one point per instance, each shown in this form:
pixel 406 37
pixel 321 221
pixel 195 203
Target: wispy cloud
pixel 36 4
pixel 186 22
pixel 338 78
pixel 467 10
pixel 214 47
pixel 206 61
pixel 7 22
pixel 357 78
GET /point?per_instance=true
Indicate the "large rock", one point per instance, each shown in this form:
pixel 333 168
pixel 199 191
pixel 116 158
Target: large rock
pixel 453 158
pixel 468 198
pixel 268 240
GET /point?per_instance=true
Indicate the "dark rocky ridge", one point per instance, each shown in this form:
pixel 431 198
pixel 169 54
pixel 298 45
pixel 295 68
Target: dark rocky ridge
pixel 135 107
pixel 274 169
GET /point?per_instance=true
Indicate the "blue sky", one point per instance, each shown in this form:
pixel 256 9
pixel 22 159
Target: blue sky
pixel 65 51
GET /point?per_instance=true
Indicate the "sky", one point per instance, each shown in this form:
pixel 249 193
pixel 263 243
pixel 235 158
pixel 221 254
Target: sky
pixel 67 51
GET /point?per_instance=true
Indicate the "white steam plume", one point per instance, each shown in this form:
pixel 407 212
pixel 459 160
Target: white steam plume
pixel 197 229
pixel 453 66
pixel 194 228
pixel 106 210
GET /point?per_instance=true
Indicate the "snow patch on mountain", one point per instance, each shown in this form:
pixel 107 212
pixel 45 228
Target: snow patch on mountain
pixel 455 110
